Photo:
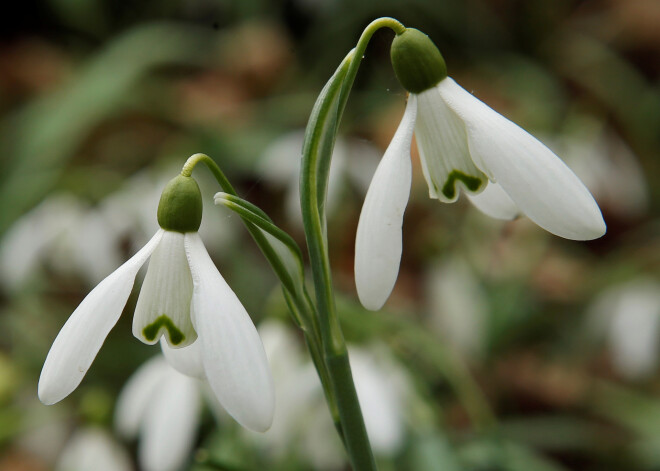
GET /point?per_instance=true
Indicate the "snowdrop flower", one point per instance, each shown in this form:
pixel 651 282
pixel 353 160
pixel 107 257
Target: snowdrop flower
pixel 61 231
pixel 463 145
pixel 162 407
pixel 629 316
pixel 93 448
pixel 183 298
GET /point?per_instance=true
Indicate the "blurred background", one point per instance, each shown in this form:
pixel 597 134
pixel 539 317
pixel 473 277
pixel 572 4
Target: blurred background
pixel 502 346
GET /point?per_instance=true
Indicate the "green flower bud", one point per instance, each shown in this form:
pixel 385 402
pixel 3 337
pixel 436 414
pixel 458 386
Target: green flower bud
pixel 417 63
pixel 180 207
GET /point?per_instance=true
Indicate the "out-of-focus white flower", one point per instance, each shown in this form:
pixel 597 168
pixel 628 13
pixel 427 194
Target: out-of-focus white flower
pixel 629 316
pixel 353 161
pixel 302 422
pixel 458 306
pixel 609 168
pixel 183 298
pixel 63 231
pixel 162 407
pixel 463 145
pixel 93 448
pixel 73 237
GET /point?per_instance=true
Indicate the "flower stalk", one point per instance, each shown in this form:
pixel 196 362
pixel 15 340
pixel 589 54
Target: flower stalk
pixel 319 142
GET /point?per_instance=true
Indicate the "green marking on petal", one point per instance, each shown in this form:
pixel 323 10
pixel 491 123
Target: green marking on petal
pixel 150 331
pixel 470 182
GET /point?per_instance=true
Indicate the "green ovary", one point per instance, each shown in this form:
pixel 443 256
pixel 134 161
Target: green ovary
pixel 470 182
pixel 150 331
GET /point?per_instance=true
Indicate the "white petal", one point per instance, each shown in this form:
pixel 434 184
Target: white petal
pixel 232 353
pixel 171 420
pixel 187 360
pixel 494 202
pixel 539 183
pixel 378 239
pixel 163 307
pixel 137 394
pixel 83 334
pixel 443 149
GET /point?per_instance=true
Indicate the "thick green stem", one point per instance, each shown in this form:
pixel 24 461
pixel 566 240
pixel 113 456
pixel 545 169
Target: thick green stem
pixel 317 154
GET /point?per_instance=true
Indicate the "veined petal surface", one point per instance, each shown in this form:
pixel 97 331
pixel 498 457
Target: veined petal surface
pixel 378 242
pixel 163 307
pixel 494 202
pixel 537 181
pixel 443 149
pixel 233 356
pixel 83 334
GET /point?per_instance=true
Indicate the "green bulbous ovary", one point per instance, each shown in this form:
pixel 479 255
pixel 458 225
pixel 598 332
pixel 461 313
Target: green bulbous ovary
pixel 417 62
pixel 180 207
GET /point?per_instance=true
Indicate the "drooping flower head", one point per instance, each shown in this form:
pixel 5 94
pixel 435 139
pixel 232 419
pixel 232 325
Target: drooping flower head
pixel 184 300
pixel 464 146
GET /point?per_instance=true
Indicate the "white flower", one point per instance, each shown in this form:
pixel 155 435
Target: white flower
pixel 183 298
pixel 629 316
pixel 464 144
pixel 93 448
pixel 162 407
pixel 608 167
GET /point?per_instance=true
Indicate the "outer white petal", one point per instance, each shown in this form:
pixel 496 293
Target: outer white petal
pixel 187 360
pixel 378 239
pixel 539 183
pixel 232 353
pixel 494 202
pixel 443 149
pixel 137 394
pixel 83 334
pixel 170 424
pixel 163 307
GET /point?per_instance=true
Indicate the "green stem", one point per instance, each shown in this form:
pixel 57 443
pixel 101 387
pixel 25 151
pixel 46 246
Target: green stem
pixel 317 153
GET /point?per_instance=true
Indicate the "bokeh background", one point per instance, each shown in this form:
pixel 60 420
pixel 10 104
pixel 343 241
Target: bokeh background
pixel 502 347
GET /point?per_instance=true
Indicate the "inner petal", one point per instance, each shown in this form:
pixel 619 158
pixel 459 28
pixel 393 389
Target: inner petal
pixel 163 307
pixel 443 148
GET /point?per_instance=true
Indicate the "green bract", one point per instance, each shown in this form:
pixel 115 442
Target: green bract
pixel 417 63
pixel 180 207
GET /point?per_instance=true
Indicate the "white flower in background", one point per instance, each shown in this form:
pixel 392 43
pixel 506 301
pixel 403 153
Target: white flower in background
pixel 608 167
pixel 302 422
pixel 93 448
pixel 458 306
pixel 71 237
pixel 162 407
pixel 353 161
pixel 183 298
pixel 65 233
pixel 463 144
pixel 629 317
